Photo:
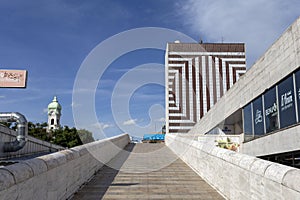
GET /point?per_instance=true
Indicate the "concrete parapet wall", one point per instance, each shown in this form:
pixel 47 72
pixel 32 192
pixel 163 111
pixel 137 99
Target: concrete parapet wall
pixel 235 175
pixel 58 175
pixel 32 146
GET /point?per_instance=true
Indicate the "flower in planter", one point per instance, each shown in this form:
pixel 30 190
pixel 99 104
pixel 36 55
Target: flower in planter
pixel 227 144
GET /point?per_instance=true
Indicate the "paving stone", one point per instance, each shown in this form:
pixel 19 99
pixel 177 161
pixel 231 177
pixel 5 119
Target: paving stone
pixel 145 175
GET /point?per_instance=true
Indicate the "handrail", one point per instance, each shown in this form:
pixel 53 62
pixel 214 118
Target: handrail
pixel 22 130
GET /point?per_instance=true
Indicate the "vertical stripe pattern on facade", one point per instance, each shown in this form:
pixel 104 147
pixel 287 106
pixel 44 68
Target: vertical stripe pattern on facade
pixel 198 76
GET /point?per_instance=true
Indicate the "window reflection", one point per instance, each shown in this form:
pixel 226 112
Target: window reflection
pixel 258 119
pixel 287 111
pixel 248 122
pixel 271 110
pixel 297 77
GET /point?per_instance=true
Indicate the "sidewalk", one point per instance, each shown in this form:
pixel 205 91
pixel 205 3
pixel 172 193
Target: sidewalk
pixel 137 180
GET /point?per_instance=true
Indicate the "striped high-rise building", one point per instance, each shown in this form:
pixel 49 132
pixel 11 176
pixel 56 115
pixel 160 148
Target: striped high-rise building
pixel 197 76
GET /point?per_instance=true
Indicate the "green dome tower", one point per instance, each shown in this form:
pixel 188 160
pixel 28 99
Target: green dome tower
pixel 54 113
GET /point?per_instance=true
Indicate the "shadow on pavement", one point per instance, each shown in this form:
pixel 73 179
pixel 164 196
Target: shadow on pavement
pixel 103 179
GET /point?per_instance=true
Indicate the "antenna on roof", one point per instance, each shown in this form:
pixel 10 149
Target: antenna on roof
pixel 222 39
pixel 200 41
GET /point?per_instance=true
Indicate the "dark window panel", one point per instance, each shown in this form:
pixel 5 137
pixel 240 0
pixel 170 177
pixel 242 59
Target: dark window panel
pixel 271 110
pixel 286 98
pixel 258 118
pixel 247 113
pixel 297 76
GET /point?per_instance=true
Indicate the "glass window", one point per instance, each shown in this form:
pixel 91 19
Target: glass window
pixel 287 111
pixel 271 110
pixel 258 118
pixel 297 76
pixel 247 113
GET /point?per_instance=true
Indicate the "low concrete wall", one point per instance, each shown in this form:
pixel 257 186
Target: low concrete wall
pixel 58 175
pixel 235 175
pixel 32 146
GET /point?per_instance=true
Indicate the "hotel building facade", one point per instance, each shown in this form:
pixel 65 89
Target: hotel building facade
pixel 197 76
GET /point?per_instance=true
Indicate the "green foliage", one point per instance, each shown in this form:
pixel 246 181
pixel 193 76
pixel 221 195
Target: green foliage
pixel 66 137
pixel 38 131
pixel 85 136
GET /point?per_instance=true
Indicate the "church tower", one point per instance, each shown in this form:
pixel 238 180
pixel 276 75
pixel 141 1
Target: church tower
pixel 54 113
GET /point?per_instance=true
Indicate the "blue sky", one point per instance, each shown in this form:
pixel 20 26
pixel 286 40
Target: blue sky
pixel 51 39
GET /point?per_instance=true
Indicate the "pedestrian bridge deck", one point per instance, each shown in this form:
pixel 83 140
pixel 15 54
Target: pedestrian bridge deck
pixel 146 171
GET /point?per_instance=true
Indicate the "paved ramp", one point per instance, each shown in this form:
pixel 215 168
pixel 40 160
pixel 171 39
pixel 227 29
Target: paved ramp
pixel 146 171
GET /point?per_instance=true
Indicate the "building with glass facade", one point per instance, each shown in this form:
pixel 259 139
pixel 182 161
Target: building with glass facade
pixel 265 103
pixel 277 108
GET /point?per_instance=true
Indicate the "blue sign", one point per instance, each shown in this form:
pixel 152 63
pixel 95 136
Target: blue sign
pixel 154 137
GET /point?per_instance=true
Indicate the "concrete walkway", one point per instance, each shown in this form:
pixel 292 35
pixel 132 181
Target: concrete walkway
pixel 146 171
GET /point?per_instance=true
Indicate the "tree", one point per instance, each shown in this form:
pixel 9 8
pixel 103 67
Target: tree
pixel 38 131
pixel 85 136
pixel 70 137
pixel 66 137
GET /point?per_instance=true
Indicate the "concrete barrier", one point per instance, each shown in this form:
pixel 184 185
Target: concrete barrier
pixel 58 175
pixel 235 175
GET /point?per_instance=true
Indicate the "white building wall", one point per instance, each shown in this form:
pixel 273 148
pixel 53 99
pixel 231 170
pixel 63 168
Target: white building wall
pixel 282 58
pixel 286 140
pixel 198 71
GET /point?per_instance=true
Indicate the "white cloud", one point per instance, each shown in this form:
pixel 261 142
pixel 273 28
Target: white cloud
pixel 136 69
pixel 258 23
pixel 161 119
pixel 75 105
pixel 2 97
pixel 130 122
pixel 45 110
pixel 102 125
pixel 105 126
